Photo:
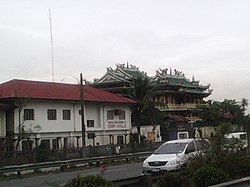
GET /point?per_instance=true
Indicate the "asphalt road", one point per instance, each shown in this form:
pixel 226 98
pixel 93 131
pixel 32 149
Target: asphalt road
pixel 59 179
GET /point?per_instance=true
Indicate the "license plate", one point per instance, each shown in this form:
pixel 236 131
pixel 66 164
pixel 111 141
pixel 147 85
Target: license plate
pixel 155 170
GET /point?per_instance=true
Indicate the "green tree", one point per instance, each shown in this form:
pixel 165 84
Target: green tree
pixel 215 113
pixel 226 112
pixel 141 93
pixel 209 113
pixel 231 111
pixel 144 110
pixel 154 116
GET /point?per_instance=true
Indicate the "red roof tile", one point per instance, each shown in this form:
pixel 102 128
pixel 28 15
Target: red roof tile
pixel 57 91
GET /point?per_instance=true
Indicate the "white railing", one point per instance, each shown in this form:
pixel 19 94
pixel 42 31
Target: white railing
pixel 177 106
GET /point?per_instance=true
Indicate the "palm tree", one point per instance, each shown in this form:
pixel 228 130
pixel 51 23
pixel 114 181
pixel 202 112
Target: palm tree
pixel 142 95
pixel 144 109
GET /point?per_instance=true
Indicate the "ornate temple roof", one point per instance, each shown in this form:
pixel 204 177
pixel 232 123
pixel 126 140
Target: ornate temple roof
pixel 178 79
pixel 122 73
pixel 163 77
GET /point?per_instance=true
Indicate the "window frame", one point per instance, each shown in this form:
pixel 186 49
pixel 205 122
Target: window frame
pixel 55 144
pixel 110 114
pixel 66 114
pixel 91 123
pixel 28 114
pixel 51 114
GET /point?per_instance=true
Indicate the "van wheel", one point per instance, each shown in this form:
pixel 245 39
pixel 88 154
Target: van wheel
pixel 184 167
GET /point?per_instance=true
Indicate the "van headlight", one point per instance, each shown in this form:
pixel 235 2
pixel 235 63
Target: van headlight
pixel 174 162
pixel 145 164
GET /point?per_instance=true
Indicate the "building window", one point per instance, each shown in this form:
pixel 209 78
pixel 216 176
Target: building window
pixel 110 114
pixel 51 114
pixel 66 114
pixel 121 114
pixel 55 144
pixel 28 114
pixel 90 123
pixel 120 139
pixel 117 113
pixel 65 143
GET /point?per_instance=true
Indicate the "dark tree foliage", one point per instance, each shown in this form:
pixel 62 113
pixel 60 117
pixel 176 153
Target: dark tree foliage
pixel 143 111
pixel 207 176
pixel 228 111
pixel 215 113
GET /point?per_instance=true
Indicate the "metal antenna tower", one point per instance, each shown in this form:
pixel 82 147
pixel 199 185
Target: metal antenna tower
pixel 52 49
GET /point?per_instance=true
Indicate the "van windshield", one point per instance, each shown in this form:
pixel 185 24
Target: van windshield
pixel 171 148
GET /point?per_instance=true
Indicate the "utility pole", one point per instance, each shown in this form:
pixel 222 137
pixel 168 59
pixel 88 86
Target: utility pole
pixel 82 116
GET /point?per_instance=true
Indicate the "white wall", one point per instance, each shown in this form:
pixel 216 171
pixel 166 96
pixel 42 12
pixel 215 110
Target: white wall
pixel 50 129
pixel 92 112
pixel 40 118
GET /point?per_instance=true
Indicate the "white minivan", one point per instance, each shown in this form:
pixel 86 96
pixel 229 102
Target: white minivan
pixel 173 155
pixel 236 138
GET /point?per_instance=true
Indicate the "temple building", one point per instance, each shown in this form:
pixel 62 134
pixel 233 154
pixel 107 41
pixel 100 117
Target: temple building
pixel 173 94
pixel 119 80
pixel 176 94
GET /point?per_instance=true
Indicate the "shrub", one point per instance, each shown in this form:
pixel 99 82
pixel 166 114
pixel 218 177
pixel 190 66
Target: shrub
pixel 236 165
pixel 173 179
pixel 89 181
pixel 207 175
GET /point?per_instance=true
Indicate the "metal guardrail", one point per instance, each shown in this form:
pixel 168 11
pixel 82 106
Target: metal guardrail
pixel 65 163
pixel 149 180
pixel 235 183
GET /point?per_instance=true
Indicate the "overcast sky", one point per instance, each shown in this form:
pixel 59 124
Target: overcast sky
pixel 209 39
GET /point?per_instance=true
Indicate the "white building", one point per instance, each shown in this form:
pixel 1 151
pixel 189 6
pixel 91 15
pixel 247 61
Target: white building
pixel 51 113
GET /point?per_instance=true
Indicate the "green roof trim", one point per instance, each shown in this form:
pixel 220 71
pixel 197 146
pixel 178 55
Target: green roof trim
pixel 136 74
